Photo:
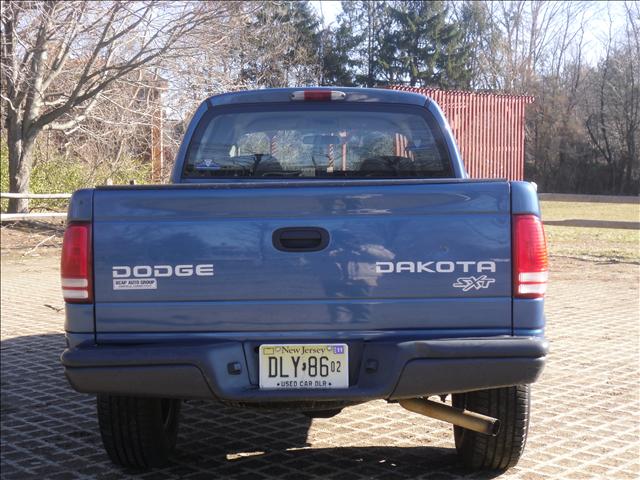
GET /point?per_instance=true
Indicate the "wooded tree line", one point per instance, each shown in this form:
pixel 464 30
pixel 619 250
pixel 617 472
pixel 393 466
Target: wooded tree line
pixel 85 75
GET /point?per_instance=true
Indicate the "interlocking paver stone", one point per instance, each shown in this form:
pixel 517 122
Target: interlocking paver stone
pixel 585 424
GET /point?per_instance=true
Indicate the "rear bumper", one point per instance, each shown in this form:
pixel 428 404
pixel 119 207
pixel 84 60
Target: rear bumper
pixel 227 371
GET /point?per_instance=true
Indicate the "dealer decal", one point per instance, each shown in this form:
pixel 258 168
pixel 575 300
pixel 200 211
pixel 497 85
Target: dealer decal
pixel 145 277
pixel 135 284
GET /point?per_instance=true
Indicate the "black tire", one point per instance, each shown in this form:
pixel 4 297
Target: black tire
pixel 511 406
pixel 138 433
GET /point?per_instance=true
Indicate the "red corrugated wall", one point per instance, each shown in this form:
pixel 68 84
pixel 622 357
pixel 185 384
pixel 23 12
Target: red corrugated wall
pixel 488 127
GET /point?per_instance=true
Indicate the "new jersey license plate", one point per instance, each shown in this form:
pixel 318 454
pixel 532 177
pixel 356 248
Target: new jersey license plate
pixel 304 366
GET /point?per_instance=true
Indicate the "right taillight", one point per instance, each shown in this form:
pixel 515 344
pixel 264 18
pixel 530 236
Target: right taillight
pixel 75 266
pixel 530 262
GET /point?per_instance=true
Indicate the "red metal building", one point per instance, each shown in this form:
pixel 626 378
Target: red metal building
pixel 488 127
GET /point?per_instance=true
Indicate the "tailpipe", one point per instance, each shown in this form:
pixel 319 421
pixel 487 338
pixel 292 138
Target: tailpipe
pixel 457 416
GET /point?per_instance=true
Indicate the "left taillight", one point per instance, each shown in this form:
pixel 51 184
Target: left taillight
pixel 76 264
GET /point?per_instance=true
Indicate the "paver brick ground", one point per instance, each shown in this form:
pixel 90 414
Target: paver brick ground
pixel 585 421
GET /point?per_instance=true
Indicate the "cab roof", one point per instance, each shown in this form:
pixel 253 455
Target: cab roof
pixel 352 94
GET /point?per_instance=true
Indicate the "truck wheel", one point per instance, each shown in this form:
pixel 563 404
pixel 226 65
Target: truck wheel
pixel 511 406
pixel 138 432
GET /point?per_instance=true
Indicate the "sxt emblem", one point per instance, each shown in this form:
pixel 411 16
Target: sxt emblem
pixel 476 283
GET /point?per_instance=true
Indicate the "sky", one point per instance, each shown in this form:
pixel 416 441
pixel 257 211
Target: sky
pixel 330 8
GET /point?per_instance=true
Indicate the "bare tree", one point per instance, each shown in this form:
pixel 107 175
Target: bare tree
pixel 119 127
pixel 59 58
pixel 268 44
pixel 613 121
pixel 533 40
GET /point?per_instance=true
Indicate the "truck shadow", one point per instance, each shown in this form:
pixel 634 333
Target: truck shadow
pixel 48 430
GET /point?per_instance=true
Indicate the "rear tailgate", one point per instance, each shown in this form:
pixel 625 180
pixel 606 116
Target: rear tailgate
pixel 401 255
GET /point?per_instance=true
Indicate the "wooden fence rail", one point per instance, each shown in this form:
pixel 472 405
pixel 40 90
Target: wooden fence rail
pixel 6 217
pixel 35 195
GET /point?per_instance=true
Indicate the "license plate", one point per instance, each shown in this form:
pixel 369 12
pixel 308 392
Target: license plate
pixel 304 366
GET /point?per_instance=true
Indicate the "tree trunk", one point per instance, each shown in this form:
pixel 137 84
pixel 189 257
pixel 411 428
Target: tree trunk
pixel 20 161
pixel 631 159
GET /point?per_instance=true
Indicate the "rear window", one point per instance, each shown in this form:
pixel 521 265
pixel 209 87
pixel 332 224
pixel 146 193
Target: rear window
pixel 317 141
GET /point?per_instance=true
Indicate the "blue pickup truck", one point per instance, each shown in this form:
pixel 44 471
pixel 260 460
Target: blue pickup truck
pixel 317 248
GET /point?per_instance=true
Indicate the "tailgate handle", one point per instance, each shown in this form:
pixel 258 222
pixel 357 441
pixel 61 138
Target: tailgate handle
pixel 300 239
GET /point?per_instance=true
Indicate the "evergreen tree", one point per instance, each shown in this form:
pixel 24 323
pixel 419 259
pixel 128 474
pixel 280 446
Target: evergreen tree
pixel 414 42
pixel 483 40
pixel 363 28
pixel 429 46
pixel 337 65
pixel 283 48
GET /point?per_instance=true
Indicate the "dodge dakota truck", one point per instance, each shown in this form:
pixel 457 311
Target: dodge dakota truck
pixel 317 248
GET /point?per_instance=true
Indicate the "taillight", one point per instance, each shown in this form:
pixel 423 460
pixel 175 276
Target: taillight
pixel 318 95
pixel 530 263
pixel 75 267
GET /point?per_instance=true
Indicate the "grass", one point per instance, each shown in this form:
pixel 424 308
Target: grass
pixel 619 212
pixel 605 244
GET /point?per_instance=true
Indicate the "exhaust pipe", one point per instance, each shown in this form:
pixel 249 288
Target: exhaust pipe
pixel 457 416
